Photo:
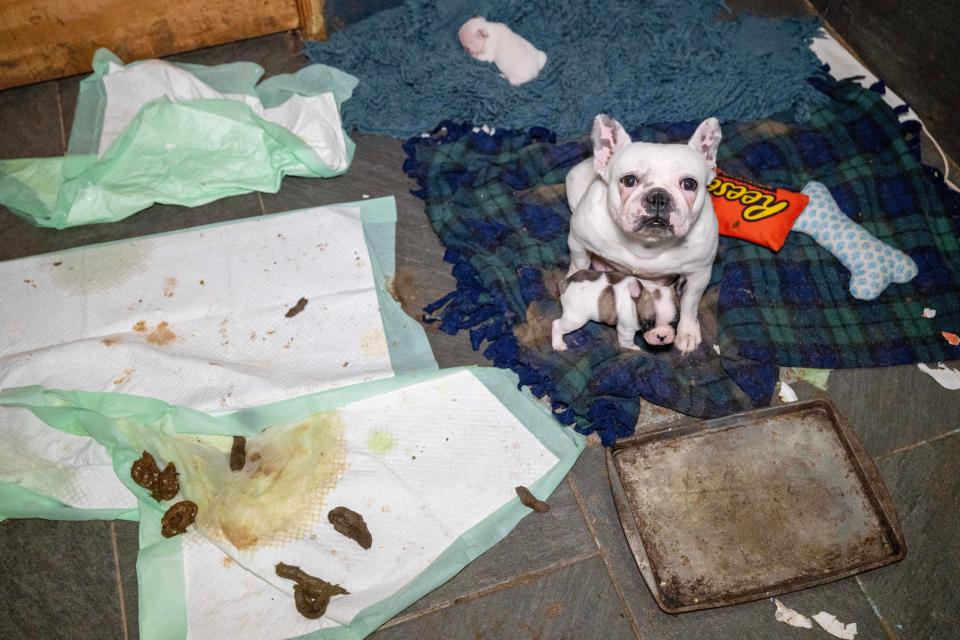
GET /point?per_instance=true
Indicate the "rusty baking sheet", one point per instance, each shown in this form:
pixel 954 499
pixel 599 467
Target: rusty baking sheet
pixel 750 506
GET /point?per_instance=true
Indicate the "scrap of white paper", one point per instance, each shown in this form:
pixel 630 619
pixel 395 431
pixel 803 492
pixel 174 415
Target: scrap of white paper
pixel 787 394
pixel 945 376
pixel 834 627
pixel 791 617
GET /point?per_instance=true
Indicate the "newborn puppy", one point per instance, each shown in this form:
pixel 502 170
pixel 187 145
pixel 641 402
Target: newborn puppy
pixel 616 299
pixel 518 60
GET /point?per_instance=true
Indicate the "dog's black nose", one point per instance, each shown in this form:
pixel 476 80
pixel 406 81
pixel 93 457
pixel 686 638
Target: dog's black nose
pixel 658 200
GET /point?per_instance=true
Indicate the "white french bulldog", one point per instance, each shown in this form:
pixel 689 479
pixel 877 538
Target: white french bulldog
pixel 643 209
pixel 517 59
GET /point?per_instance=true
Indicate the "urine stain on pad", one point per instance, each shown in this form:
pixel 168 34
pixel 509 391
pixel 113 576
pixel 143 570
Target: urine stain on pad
pixel 109 267
pixel 380 442
pixel 277 497
pixel 160 335
pixel 125 375
pixel 373 343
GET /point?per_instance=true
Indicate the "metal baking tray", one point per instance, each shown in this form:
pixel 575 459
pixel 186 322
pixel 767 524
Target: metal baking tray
pixel 750 506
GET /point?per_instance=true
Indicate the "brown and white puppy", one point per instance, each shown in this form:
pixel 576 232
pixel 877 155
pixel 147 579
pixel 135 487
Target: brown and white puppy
pixel 643 209
pixel 615 299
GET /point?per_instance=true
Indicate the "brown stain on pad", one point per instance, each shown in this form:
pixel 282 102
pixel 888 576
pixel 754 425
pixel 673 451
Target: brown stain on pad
pixel 311 595
pixel 169 286
pixel 350 524
pixel 530 500
pixel 124 376
pixel 160 335
pixel 403 288
pixel 297 308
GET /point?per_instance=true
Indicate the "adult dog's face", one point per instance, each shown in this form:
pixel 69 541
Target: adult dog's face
pixel 655 192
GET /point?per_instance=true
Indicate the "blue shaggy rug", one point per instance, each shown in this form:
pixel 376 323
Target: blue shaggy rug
pixel 651 61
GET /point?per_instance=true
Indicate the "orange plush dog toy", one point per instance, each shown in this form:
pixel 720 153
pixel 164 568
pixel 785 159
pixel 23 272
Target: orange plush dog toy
pixel 754 212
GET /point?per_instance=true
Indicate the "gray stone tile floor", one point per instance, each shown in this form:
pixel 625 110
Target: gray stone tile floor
pixel 564 574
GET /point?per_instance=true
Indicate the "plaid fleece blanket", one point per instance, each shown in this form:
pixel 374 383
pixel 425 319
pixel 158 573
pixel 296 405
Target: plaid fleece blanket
pixel 497 202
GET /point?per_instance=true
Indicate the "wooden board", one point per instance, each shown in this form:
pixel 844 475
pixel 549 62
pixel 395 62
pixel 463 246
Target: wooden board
pixel 43 39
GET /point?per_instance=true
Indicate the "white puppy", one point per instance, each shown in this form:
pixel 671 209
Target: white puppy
pixel 518 60
pixel 615 299
pixel 643 209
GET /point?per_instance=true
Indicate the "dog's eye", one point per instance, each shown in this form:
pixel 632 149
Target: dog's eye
pixel 688 184
pixel 629 181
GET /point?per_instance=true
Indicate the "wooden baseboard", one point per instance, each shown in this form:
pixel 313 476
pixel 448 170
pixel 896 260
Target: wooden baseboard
pixel 312 25
pixel 44 39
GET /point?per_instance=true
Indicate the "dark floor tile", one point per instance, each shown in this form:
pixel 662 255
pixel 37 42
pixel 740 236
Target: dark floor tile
pixel 918 596
pixel 538 541
pixel 128 546
pixel 574 602
pixel 746 621
pixel 21 238
pixel 58 580
pixel 890 407
pixel 30 122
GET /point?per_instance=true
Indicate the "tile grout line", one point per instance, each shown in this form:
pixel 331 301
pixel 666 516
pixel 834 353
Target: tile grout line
pixel 116 567
pixel 910 447
pixel 890 633
pixel 634 626
pixel 494 588
pixel 63 124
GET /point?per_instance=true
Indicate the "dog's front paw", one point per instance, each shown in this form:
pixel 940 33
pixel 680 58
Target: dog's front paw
pixel 688 337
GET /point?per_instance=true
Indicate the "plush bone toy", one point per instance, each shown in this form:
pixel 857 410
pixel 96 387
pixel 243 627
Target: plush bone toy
pixel 873 264
pixel 518 60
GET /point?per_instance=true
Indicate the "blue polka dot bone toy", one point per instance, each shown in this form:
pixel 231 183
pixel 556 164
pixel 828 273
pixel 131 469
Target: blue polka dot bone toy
pixel 873 264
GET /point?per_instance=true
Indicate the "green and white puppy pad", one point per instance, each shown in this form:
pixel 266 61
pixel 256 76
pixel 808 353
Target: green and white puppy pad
pixel 160 132
pixel 429 460
pixel 215 318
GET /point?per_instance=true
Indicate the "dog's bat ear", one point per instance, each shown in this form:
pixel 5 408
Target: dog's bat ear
pixel 608 135
pixel 706 140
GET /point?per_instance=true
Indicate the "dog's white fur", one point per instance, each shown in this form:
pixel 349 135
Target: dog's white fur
pixel 518 60
pixel 636 235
